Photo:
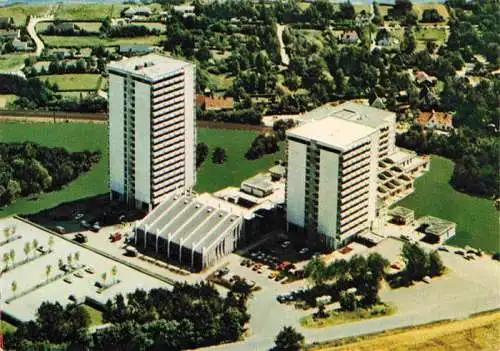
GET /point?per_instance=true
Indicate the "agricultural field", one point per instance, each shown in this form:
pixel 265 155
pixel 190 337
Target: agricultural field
pixel 93 11
pixel 11 62
pixel 441 9
pixel 425 34
pixel 476 218
pixel 88 26
pixel 89 41
pixel 212 177
pixel 95 315
pixel 20 12
pixel 84 81
pixel 73 137
pixel 476 333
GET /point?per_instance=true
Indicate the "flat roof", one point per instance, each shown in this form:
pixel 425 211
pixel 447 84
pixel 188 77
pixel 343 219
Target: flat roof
pixel 333 132
pixel 435 226
pixel 260 181
pixel 153 66
pixel 401 211
pixel 400 155
pixel 350 111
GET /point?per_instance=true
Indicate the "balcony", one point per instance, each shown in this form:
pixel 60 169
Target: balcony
pixel 158 95
pixel 176 156
pixel 174 118
pixel 165 152
pixel 362 206
pixel 159 189
pixel 166 140
pixel 361 170
pixel 348 186
pixel 166 170
pixel 357 193
pixel 175 169
pixel 168 82
pixel 353 224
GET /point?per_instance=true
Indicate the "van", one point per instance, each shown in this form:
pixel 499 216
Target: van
pixel 60 230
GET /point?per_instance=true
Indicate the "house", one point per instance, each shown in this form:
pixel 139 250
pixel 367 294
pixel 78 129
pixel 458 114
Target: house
pixel 349 37
pixel 20 45
pixel 384 41
pixel 6 22
pixel 217 103
pixel 436 230
pixel 421 77
pixel 435 120
pixel 137 11
pixel 184 9
pixel 135 49
pixel 9 34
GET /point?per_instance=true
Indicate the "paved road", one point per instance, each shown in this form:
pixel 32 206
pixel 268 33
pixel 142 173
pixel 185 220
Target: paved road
pixel 285 59
pixel 469 287
pixel 32 31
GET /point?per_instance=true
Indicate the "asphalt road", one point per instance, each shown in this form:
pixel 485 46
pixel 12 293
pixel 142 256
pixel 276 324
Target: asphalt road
pixel 32 31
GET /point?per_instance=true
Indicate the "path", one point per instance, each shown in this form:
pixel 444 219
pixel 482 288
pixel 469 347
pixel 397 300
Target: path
pixel 285 59
pixel 32 31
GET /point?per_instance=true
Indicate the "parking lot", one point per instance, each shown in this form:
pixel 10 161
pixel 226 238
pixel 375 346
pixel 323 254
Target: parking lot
pixel 32 273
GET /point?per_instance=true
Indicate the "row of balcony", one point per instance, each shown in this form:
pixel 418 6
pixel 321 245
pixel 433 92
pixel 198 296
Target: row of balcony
pixel 160 94
pixel 172 118
pixel 166 154
pixel 168 81
pixel 168 134
pixel 175 156
pixel 168 186
pixel 172 107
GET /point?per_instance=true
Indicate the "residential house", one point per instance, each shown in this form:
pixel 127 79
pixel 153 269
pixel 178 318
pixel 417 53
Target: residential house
pixel 435 120
pixel 6 22
pixel 216 103
pixel 6 34
pixel 137 11
pixel 349 37
pixel 20 45
pixel 184 9
pixel 423 78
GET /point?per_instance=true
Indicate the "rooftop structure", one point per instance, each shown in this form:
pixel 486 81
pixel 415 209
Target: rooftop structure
pixel 150 67
pixel 402 215
pixel 259 185
pixel 436 227
pixel 435 120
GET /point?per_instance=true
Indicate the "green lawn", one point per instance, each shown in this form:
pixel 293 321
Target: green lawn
pixel 476 218
pixel 221 81
pixel 86 41
pixel 342 317
pixel 84 81
pixel 87 11
pixel 9 62
pixel 95 315
pixel 6 98
pixel 80 136
pixel 20 12
pixel 6 327
pixel 73 137
pixel 212 177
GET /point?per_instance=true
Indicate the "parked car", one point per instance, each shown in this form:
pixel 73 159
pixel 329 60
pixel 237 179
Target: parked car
pixel 90 270
pixel 85 224
pixel 272 275
pixel 256 266
pixel 260 270
pixel 131 252
pixel 81 238
pixel 223 271
pixel 115 237
pixel 96 227
pixel 68 280
pixel 59 229
pixel 460 252
pixel 78 275
pixel 303 251
pixel 285 244
pixel 78 216
pixel 443 248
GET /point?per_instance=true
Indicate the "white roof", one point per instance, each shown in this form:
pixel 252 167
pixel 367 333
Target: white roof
pixel 334 132
pixel 150 67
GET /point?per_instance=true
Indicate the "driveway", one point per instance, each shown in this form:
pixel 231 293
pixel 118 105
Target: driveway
pixel 285 59
pixel 32 31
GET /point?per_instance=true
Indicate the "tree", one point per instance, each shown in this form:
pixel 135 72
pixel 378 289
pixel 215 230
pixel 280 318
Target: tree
pixel 34 244
pixel 416 260
pixel 281 126
pixel 6 259
pixel 219 155
pixel 201 154
pixel 51 242
pixel 315 271
pixel 288 339
pixel 27 249
pixel 348 301
pixel 6 233
pixel 12 255
pixel 48 269
pixel 409 43
pixel 13 287
pixel 69 259
pixel 60 263
pixel 77 256
pixel 436 266
pixel 431 16
pixel 104 275
pixel 114 272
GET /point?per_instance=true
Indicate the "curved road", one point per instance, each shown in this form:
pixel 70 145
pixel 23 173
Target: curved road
pixel 285 59
pixel 32 31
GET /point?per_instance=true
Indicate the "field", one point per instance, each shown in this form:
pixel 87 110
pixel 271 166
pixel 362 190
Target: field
pixel 10 62
pixel 476 218
pixel 212 177
pixel 477 333
pixel 6 98
pixel 84 81
pixel 88 26
pixel 80 136
pixel 221 82
pixel 95 315
pixel 73 137
pixel 92 11
pixel 20 12
pixel 429 33
pixel 441 9
pixel 86 41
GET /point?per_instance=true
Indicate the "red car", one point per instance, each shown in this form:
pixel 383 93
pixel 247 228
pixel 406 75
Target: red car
pixel 115 237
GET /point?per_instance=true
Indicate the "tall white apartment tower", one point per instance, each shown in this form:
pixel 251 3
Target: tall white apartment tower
pixel 152 134
pixel 333 159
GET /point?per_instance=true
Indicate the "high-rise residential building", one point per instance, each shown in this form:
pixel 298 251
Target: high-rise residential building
pixel 152 134
pixel 331 183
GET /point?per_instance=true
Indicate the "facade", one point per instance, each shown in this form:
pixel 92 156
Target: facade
pixel 343 169
pixel 151 129
pixel 331 192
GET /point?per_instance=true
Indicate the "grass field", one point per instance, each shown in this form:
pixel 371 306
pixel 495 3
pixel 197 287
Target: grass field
pixel 73 137
pixel 221 81
pixel 87 41
pixel 9 62
pixel 476 218
pixel 95 315
pixel 80 136
pixel 6 98
pixel 213 176
pixel 6 327
pixel 20 12
pixel 473 334
pixel 84 81
pixel 93 11
pixel 342 317
pixel 441 9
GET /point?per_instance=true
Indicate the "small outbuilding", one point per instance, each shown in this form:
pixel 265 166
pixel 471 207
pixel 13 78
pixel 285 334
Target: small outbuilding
pixel 402 215
pixel 436 230
pixel 259 186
